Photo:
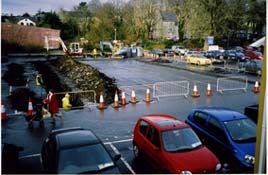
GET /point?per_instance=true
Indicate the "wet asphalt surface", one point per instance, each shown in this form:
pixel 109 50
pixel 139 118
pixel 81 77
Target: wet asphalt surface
pixel 115 126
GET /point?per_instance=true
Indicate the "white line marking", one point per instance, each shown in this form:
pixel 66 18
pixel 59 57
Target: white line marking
pixel 33 155
pixel 122 158
pixel 118 141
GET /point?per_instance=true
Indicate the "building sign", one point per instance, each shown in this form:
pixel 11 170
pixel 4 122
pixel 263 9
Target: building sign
pixel 210 40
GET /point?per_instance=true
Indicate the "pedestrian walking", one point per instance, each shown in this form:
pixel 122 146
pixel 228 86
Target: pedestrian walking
pixel 39 83
pixel 53 106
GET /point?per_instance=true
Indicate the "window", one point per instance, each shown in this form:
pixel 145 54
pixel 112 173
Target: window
pixel 215 129
pixel 143 127
pixel 153 136
pixel 200 118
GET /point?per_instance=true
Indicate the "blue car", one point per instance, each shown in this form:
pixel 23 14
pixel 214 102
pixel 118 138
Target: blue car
pixel 229 134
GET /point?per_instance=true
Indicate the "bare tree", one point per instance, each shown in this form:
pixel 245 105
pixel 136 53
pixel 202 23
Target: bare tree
pixel 146 15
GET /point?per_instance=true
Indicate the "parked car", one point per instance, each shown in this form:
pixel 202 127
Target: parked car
pixel 199 60
pixel 252 112
pixel 235 55
pixel 168 51
pixel 253 55
pixel 171 146
pixel 251 66
pixel 76 150
pixel 215 56
pixel 158 52
pixel 229 134
pixel 179 50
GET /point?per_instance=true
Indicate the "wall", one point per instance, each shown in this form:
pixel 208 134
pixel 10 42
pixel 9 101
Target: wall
pixel 28 35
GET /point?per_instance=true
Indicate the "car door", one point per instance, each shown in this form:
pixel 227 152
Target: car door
pixel 140 135
pixel 152 145
pixel 199 121
pixel 218 140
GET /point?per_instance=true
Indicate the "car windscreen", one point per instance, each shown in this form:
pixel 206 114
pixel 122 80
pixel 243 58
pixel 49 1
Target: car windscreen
pixel 242 130
pixel 89 158
pixel 181 139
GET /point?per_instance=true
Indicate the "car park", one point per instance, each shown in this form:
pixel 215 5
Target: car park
pixel 229 134
pixel 76 150
pixel 171 146
pixel 251 66
pixel 199 60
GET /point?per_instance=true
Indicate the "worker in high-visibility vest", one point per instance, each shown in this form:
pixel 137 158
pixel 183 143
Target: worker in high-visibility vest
pixel 39 83
pixel 66 102
pixel 94 53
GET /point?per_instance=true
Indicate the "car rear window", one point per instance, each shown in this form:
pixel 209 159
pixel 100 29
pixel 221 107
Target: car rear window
pixel 169 123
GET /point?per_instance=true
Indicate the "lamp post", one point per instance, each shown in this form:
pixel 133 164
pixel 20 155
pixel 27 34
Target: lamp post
pixel 115 34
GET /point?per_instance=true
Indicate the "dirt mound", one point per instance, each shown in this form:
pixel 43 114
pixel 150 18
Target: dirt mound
pixel 86 77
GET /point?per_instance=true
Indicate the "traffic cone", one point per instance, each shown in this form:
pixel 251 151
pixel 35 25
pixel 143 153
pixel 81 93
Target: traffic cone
pixel 256 87
pixel 147 96
pixel 209 91
pixel 101 104
pixel 116 102
pixel 30 108
pixel 3 112
pixel 123 98
pixel 133 97
pixel 195 91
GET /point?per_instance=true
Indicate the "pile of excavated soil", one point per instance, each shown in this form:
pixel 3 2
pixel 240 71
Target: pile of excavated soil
pixel 86 77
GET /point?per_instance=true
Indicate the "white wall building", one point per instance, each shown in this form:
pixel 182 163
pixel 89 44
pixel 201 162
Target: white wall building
pixel 26 22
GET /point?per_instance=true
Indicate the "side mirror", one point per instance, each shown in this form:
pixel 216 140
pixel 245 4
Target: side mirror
pixel 117 157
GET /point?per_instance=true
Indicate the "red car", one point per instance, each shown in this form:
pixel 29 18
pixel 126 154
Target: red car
pixel 253 55
pixel 172 146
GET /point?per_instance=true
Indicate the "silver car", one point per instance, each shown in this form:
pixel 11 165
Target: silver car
pixel 251 66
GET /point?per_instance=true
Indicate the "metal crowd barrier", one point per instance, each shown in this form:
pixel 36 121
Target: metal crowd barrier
pixel 139 89
pixel 79 99
pixel 232 83
pixel 171 88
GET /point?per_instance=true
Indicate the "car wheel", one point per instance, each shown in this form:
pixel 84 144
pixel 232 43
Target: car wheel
pixel 136 151
pixel 198 63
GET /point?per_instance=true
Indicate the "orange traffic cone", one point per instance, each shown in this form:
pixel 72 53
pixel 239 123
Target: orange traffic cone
pixel 195 91
pixel 133 97
pixel 101 104
pixel 256 87
pixel 3 112
pixel 147 96
pixel 30 108
pixel 123 98
pixel 116 103
pixel 209 91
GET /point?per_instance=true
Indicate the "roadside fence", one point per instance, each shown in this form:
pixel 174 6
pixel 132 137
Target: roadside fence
pixel 171 88
pixel 232 83
pixel 79 99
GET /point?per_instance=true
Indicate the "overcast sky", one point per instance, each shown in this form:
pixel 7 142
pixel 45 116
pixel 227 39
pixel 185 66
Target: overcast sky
pixel 19 7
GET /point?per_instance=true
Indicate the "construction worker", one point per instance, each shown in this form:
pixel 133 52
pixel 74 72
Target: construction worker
pixel 39 83
pixel 66 102
pixel 94 53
